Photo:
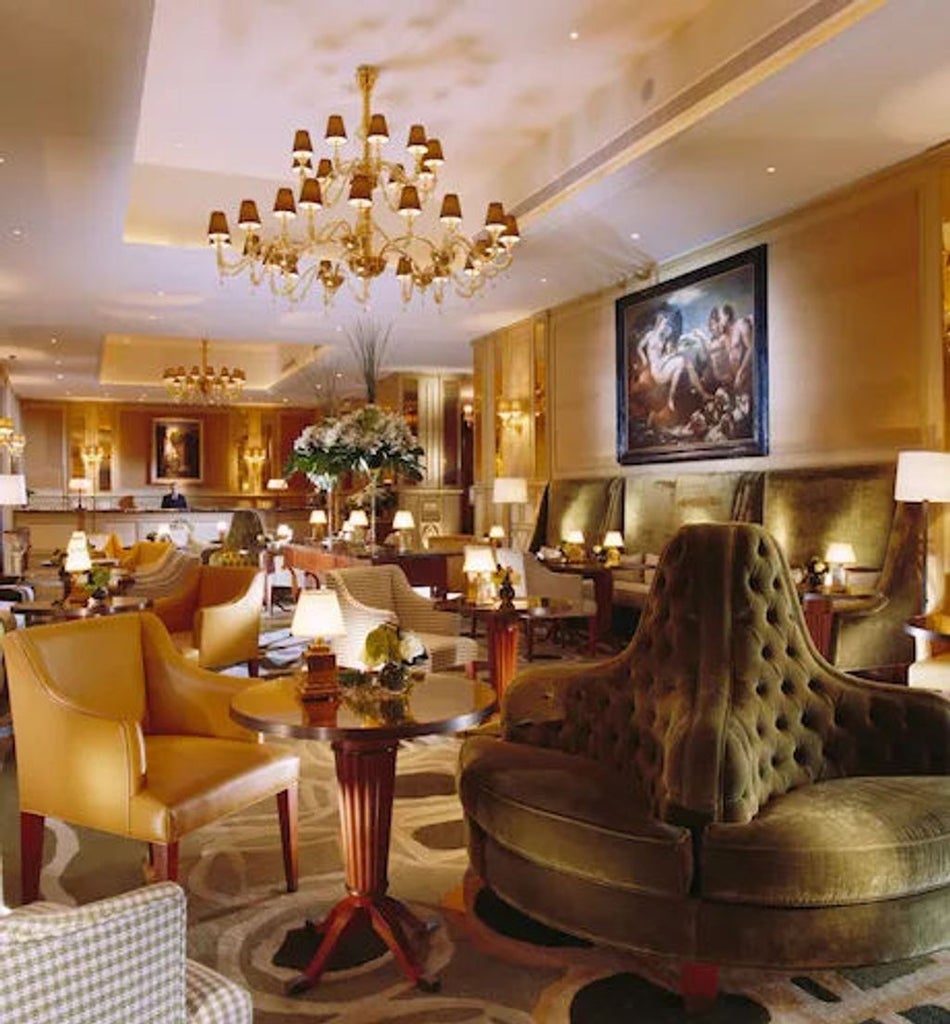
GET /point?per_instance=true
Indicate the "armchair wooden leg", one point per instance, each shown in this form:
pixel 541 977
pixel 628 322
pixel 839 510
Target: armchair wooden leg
pixel 31 854
pixel 287 812
pixel 253 667
pixel 163 862
pixel 471 669
pixel 699 986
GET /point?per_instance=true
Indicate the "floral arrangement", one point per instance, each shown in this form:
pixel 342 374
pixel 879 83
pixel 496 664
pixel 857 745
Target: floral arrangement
pixel 388 644
pixel 366 440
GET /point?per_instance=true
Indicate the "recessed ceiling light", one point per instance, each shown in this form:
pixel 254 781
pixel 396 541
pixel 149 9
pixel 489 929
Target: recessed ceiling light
pixel 635 235
pixel 3 159
pixel 544 280
pixel 68 394
pixel 59 376
pixel 770 169
pixel 152 316
pixel 58 362
pixel 575 35
pixel 286 400
pixel 54 341
pixel 17 232
pixel 160 294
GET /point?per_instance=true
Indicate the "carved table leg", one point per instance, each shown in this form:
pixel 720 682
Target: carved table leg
pixel 502 650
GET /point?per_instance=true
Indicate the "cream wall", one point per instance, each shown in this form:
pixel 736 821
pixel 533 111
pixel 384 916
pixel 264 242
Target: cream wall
pixel 855 364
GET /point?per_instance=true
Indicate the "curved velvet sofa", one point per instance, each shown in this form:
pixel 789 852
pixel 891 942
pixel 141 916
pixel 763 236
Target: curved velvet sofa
pixel 717 791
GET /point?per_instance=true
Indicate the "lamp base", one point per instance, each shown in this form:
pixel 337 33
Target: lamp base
pixel 321 681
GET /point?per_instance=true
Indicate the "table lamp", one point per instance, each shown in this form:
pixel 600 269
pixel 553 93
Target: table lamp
pixel 12 492
pixel 613 545
pixel 358 522
pixel 318 523
pixel 80 485
pixel 478 566
pixel 574 546
pixel 838 556
pixel 496 534
pixel 284 533
pixel 508 491
pixel 317 616
pixel 403 522
pixel 923 477
pixel 77 562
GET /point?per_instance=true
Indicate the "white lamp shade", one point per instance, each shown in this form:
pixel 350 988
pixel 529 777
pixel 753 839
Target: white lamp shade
pixel 839 553
pixel 222 527
pixel 403 520
pixel 12 489
pixel 923 476
pixel 510 490
pixel 277 483
pixel 77 553
pixel 163 530
pixel 79 483
pixel 318 517
pixel 613 539
pixel 358 518
pixel 497 532
pixel 284 532
pixel 574 537
pixel 318 615
pixel 478 559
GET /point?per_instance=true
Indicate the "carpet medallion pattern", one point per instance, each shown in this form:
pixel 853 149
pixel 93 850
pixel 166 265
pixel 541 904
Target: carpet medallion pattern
pixel 495 965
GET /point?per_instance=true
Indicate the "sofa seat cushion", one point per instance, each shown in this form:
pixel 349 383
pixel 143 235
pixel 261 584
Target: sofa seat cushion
pixel 445 651
pixel 572 815
pixel 834 843
pixel 930 673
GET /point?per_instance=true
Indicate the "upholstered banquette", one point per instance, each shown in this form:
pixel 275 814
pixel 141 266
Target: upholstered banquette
pixel 718 792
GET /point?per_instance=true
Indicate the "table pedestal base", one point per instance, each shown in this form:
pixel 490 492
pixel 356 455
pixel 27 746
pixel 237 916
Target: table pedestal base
pixel 366 772
pixel 502 651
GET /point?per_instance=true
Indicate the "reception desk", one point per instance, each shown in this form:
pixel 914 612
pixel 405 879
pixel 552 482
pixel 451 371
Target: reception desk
pixel 50 529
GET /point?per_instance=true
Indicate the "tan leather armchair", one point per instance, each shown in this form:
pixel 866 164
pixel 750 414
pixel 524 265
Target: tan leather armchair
pixel 116 731
pixel 215 620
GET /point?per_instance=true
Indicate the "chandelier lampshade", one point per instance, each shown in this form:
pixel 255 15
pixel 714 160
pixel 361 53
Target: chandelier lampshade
pixel 201 385
pixel 374 220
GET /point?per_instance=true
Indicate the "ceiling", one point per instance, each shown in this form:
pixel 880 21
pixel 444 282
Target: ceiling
pixel 622 133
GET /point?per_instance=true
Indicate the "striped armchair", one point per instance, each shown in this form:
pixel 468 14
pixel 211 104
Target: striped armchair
pixel 375 594
pixel 116 961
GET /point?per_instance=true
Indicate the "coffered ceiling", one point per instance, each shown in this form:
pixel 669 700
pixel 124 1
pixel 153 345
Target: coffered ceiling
pixel 621 132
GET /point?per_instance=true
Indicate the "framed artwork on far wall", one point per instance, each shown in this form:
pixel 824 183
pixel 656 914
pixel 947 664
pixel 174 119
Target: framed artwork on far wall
pixel 176 450
pixel 692 365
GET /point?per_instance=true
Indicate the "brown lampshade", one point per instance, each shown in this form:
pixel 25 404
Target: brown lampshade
pixel 248 217
pixel 451 212
pixel 361 192
pixel 416 143
pixel 335 133
pixel 433 158
pixel 311 198
pixel 378 132
pixel 511 234
pixel 404 267
pixel 303 149
pixel 409 204
pixel 495 218
pixel 324 168
pixel 284 206
pixel 218 230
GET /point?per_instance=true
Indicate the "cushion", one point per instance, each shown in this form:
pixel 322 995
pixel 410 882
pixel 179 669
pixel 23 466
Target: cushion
pixel 930 673
pixel 571 814
pixel 832 843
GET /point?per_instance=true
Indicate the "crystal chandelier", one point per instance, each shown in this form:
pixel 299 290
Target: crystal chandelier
pixel 201 385
pixel 9 439
pixel 387 200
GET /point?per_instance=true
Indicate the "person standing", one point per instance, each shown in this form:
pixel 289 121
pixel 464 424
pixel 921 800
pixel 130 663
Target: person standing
pixel 173 499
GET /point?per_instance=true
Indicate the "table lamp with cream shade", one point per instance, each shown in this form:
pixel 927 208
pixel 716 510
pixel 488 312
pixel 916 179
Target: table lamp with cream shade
pixel 277 483
pixel 403 523
pixel 575 546
pixel 358 522
pixel 923 476
pixel 12 492
pixel 76 563
pixel 838 556
pixel 478 567
pixel 508 491
pixel 318 523
pixel 612 545
pixel 79 485
pixel 317 617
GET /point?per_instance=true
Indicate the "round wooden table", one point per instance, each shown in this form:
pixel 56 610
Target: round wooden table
pixel 365 729
pixel 56 611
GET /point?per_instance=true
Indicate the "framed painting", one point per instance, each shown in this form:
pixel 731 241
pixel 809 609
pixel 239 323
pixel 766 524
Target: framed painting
pixel 176 450
pixel 692 365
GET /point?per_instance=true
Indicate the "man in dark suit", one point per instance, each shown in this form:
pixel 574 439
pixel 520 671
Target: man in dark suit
pixel 173 499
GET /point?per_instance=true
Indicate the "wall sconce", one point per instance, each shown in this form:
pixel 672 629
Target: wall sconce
pixel 91 455
pixel 255 456
pixel 511 414
pixel 468 413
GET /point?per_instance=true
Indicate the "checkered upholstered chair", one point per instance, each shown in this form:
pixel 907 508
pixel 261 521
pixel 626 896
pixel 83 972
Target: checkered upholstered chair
pixel 118 961
pixel 375 594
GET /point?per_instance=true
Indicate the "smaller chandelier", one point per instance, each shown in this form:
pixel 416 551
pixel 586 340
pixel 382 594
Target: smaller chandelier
pixel 363 216
pixel 201 385
pixel 9 439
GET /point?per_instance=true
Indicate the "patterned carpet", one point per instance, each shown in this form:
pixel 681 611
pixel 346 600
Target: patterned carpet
pixel 494 964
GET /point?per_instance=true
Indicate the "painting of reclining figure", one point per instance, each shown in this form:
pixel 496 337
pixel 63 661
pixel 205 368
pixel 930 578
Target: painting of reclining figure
pixel 692 369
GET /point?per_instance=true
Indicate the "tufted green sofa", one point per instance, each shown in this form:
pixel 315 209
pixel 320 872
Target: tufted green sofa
pixel 717 792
